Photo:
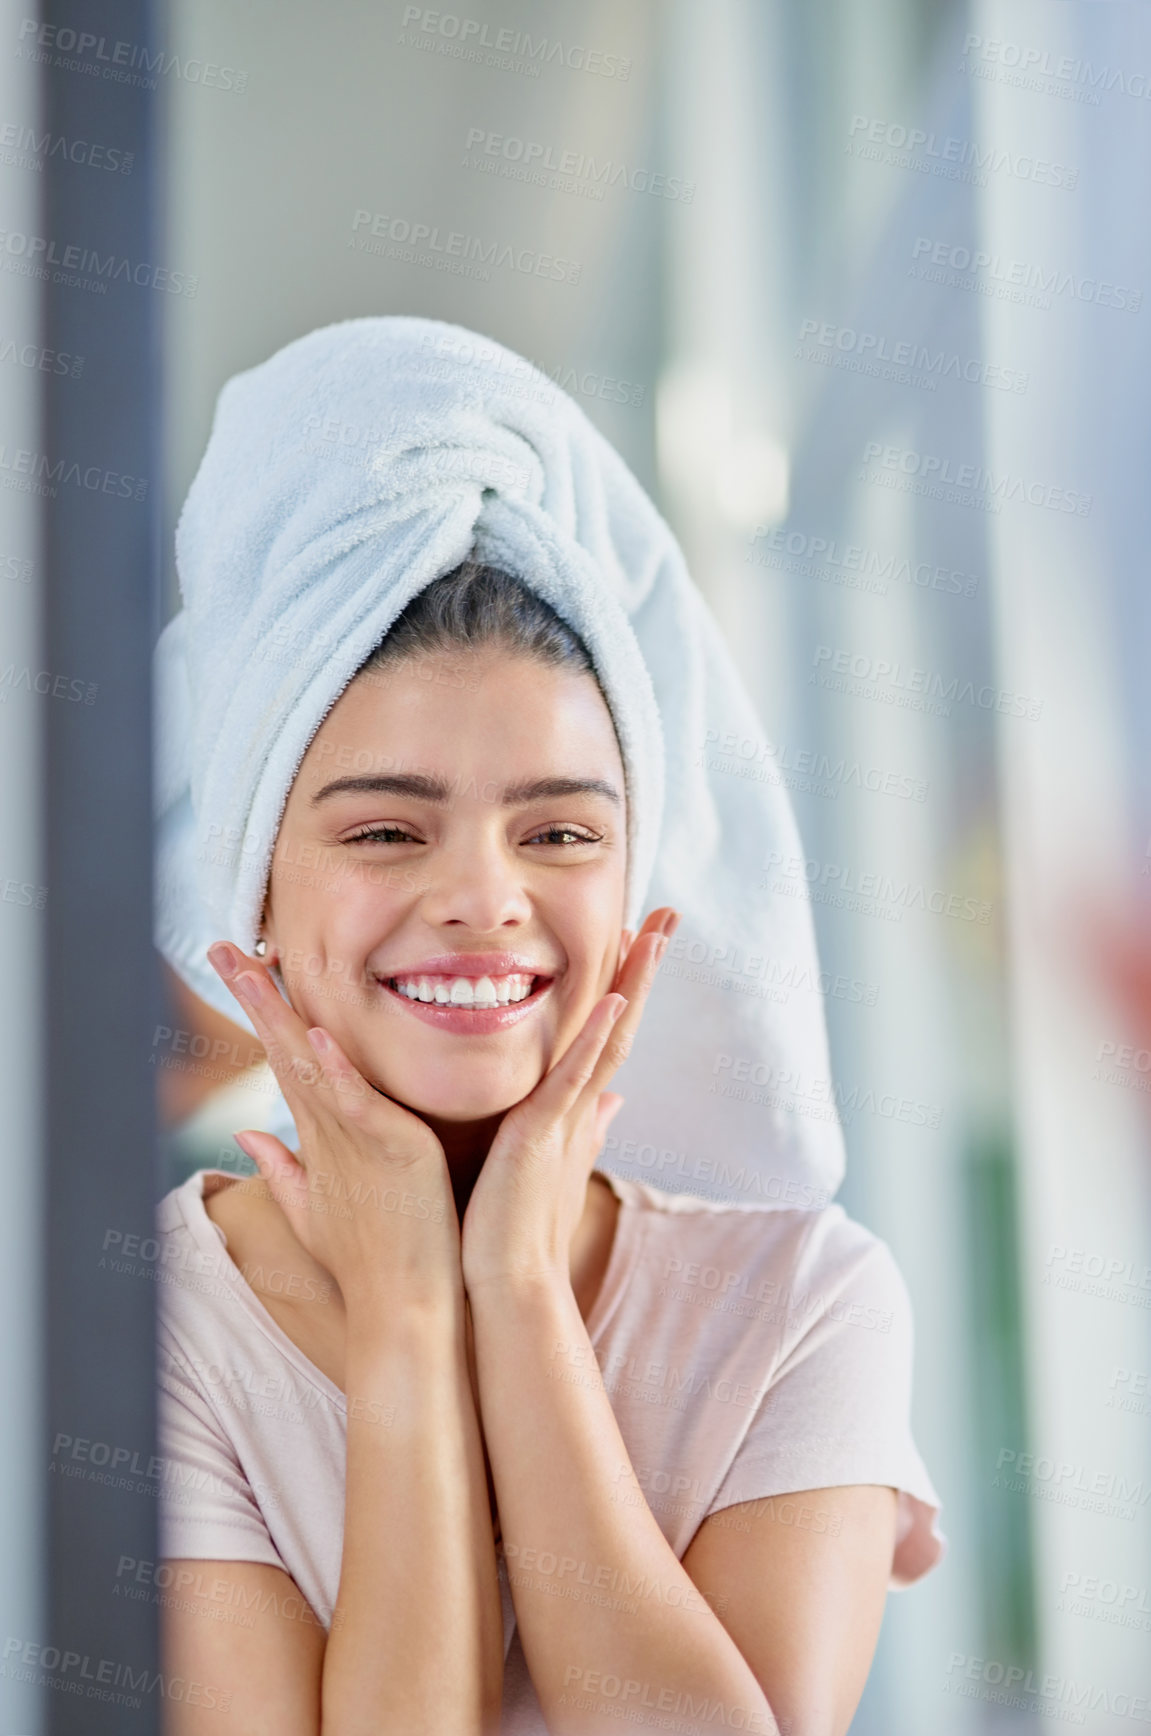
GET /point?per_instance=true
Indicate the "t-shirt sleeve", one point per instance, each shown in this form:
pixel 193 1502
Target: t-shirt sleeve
pixel 208 1511
pixel 838 1408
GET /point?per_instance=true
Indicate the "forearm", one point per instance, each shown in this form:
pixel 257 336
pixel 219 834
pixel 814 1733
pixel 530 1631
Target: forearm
pixel 417 1635
pixel 607 1615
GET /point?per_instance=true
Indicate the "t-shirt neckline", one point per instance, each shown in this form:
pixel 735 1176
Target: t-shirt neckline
pixel 212 1240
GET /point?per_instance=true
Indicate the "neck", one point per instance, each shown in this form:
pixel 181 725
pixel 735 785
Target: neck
pixel 466 1144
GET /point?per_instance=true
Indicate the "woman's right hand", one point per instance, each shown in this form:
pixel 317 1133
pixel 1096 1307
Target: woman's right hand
pixel 369 1194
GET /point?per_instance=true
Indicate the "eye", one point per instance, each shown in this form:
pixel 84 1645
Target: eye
pixel 565 835
pixel 382 835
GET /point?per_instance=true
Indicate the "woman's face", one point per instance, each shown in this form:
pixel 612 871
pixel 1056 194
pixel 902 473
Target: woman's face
pixel 447 887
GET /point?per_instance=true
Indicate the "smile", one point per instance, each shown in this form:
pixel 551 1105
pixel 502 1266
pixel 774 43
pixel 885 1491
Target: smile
pixel 471 1006
pixel 463 991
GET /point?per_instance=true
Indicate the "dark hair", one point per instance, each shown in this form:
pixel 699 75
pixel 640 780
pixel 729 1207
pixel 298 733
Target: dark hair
pixel 477 605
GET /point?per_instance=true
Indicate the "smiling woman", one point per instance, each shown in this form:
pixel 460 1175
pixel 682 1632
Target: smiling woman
pixel 479 896
pixel 467 1435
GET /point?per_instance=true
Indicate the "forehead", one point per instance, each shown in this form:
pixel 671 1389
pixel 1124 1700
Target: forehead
pixel 468 713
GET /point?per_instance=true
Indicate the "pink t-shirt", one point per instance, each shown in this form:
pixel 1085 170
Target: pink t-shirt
pixel 747 1352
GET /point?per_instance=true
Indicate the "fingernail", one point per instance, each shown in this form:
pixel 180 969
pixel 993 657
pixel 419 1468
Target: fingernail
pixel 319 1041
pixel 249 987
pixel 671 924
pixel 618 1006
pixel 662 947
pixel 224 958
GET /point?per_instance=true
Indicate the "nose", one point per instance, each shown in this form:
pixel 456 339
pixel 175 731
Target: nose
pixel 476 882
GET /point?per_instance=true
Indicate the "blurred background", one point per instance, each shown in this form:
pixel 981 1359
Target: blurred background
pixel 860 295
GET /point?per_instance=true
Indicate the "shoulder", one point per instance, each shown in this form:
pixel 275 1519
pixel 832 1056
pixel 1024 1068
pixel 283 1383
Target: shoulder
pixel 807 1271
pixel 201 1306
pixel 824 1245
pixel 190 1249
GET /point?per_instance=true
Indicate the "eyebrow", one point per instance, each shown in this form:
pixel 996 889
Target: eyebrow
pixel 428 789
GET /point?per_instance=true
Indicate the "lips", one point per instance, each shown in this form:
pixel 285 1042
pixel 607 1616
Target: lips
pixel 473 994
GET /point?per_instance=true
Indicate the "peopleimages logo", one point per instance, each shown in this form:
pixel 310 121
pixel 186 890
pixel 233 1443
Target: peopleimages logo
pixel 682 1166
pixel 23 148
pixel 993 273
pixel 527 159
pixel 872 676
pixel 510 50
pixel 745 756
pixel 44 361
pixel 939 478
pixel 1106 1276
pixel 955 159
pixel 853 565
pixel 906 361
pixel 106 1679
pixel 1106 1600
pixel 867 893
pixel 121 62
pixel 1080 78
pixel 83 267
pixel 753 1080
pixel 421 243
pixel 1064 1480
pixel 519 375
pixel 1062 1698
pixel 36 473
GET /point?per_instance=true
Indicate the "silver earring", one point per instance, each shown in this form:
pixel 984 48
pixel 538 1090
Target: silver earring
pixel 260 947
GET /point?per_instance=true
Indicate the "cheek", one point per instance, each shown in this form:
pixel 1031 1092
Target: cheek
pixel 333 902
pixel 328 920
pixel 589 925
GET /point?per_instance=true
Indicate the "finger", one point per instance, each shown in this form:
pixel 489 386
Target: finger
pixel 249 980
pixel 593 1056
pixel 394 1129
pixel 645 952
pixel 635 984
pixel 609 1105
pixel 280 1168
pixel 563 1084
pixel 665 920
pixel 277 1024
pixel 338 1076
pixel 269 1154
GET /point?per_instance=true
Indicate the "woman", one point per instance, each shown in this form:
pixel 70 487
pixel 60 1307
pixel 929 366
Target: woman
pixel 463 1436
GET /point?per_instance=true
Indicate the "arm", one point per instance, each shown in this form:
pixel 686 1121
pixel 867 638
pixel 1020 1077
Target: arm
pixel 636 1639
pixel 416 1641
pixel 637 1633
pixel 416 1637
pixel 802 1581
pixel 258 1672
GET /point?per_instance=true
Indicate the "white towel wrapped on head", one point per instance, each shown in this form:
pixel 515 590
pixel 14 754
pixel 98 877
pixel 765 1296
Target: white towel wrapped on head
pixel 343 476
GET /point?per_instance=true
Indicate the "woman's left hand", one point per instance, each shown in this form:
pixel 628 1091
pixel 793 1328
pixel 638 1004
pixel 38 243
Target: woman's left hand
pixel 529 1196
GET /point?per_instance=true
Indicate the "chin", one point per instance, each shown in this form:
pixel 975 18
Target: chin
pixel 462 1106
pixel 453 1096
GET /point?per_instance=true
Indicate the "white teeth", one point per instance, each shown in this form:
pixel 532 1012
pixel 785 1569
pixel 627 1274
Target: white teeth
pixel 484 993
pixel 479 992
